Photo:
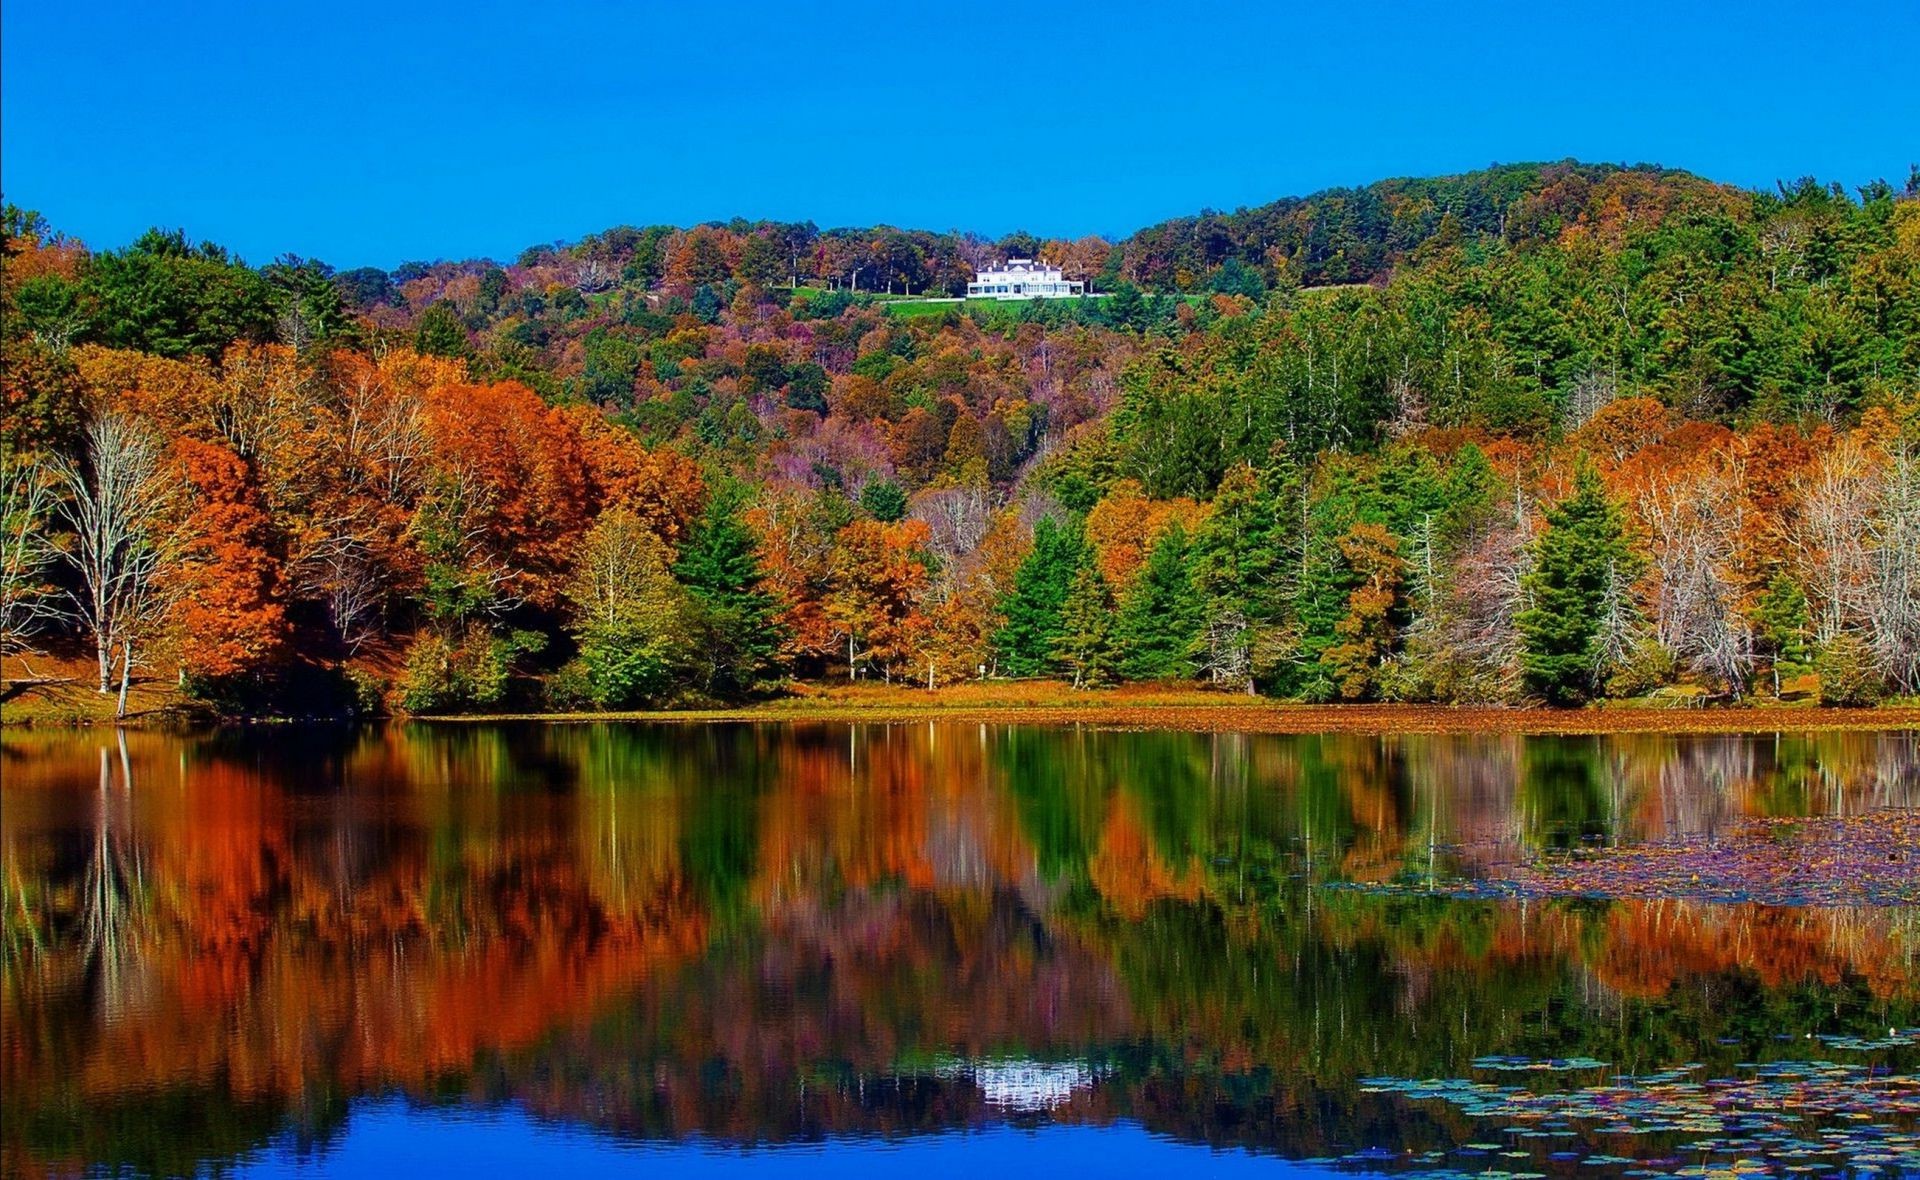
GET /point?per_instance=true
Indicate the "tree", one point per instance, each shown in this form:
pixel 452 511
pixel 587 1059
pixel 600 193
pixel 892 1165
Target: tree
pixel 1160 621
pixel 1040 587
pixel 1893 599
pixel 1696 520
pixel 1781 617
pixel 1581 561
pixel 733 614
pixel 307 302
pixel 439 332
pixel 1084 648
pixel 1235 566
pixel 225 582
pixel 878 576
pixel 449 672
pixel 807 386
pixel 629 616
pixel 28 600
pixel 1372 556
pixel 162 295
pixel 116 501
pixel 884 500
pixel 762 261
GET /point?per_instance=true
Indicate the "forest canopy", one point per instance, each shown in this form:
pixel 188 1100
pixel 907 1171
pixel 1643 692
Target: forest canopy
pixel 1546 432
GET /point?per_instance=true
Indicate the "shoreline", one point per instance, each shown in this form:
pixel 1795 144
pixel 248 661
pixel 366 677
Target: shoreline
pixel 1262 718
pixel 1049 703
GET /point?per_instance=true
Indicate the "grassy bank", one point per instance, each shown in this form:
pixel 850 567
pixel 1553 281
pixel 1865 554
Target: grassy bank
pixel 61 693
pixel 1193 709
pixel 56 700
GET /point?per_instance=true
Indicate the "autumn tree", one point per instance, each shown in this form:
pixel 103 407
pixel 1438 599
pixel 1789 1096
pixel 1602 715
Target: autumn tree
pixel 29 601
pixel 629 616
pixel 225 581
pixel 116 500
pixel 879 574
pixel 1367 632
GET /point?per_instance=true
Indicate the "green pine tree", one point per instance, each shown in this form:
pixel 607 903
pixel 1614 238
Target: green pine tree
pixel 1578 562
pixel 1084 648
pixel 1235 565
pixel 1160 621
pixel 740 638
pixel 1782 618
pixel 1032 608
pixel 884 499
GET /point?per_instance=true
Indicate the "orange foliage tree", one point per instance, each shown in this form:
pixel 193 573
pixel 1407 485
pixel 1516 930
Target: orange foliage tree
pixel 879 573
pixel 227 593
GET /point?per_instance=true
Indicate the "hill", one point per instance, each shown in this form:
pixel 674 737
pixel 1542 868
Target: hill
pixel 1324 448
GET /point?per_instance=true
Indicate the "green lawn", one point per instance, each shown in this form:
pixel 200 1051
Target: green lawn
pixel 929 307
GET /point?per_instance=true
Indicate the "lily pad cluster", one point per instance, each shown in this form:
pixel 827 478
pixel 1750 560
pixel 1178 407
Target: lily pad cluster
pixel 1783 1118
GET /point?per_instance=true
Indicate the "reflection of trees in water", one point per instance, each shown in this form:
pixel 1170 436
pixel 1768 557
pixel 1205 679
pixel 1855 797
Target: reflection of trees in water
pixel 762 931
pixel 113 890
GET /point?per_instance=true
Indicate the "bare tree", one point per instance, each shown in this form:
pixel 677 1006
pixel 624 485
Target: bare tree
pixel 1589 393
pixel 1828 535
pixel 343 556
pixel 1695 521
pixel 1783 243
pixel 1473 648
pixel 1620 627
pixel 958 519
pixel 116 499
pixel 1226 649
pixel 28 496
pixel 1892 598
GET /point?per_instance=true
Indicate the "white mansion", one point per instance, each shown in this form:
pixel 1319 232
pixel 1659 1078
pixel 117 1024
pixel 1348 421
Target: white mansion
pixel 1023 278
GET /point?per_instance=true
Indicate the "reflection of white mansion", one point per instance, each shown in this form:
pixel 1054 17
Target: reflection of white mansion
pixel 1022 278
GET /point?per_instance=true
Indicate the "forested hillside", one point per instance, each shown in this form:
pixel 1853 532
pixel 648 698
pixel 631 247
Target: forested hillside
pixel 1543 432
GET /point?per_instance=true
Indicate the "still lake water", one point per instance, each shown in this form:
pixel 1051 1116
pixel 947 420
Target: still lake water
pixel 940 950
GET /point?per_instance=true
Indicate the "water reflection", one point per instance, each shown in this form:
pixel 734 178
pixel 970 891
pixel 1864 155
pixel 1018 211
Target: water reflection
pixel 773 935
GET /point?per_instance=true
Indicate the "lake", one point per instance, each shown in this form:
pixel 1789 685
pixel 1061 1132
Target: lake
pixel 945 949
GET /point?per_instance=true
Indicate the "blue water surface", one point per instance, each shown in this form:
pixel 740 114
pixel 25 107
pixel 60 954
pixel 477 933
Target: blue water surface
pixel 390 1137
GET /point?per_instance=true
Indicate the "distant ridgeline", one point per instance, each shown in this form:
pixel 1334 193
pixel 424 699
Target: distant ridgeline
pixel 1542 432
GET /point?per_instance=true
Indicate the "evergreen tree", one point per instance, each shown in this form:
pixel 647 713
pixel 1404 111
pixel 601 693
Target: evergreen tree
pixel 740 639
pixel 1040 587
pixel 1782 618
pixel 884 499
pixel 1160 622
pixel 439 332
pixel 1084 648
pixel 1578 561
pixel 1235 564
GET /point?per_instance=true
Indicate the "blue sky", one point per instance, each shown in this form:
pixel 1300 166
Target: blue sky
pixel 371 133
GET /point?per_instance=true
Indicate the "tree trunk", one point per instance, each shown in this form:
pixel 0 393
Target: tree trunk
pixel 126 674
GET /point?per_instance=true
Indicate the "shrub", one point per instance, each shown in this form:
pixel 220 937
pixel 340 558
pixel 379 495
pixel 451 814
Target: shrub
pixel 445 676
pixel 1847 674
pixel 1646 667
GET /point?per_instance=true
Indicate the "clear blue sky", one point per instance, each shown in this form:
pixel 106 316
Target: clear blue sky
pixel 373 133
